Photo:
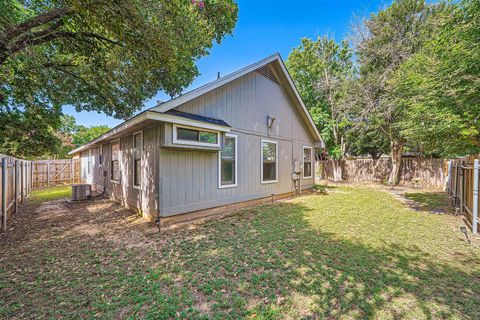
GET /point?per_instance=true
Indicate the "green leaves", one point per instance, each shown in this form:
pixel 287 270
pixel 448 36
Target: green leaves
pixel 109 56
pixel 321 69
pixel 106 56
pixel 439 86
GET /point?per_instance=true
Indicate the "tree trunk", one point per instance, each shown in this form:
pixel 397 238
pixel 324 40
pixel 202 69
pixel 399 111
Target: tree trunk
pixel 337 170
pixel 396 155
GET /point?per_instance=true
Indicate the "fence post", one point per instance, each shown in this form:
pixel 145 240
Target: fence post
pixel 16 186
pixel 449 177
pixel 31 178
pixel 476 166
pixel 21 183
pixel 4 194
pixel 72 174
pixel 462 186
pixel 48 174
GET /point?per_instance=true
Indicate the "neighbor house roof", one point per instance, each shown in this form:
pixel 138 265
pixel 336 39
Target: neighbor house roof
pixel 164 112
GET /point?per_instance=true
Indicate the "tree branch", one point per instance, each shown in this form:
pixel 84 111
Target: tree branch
pixel 76 76
pixel 34 22
pixel 34 35
pixel 25 42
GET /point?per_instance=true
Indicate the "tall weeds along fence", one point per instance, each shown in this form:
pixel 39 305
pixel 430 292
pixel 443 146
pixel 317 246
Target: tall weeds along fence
pixel 18 177
pixel 415 171
pixel 463 186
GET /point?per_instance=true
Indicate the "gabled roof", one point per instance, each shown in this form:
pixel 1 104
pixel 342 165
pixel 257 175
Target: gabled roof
pixel 273 59
pixel 164 112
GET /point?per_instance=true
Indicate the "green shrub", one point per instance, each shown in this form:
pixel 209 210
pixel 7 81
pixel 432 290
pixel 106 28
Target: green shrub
pixel 320 188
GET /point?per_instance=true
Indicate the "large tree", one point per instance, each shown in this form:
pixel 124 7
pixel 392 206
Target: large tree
pixel 321 69
pixel 108 56
pixel 383 43
pixel 439 87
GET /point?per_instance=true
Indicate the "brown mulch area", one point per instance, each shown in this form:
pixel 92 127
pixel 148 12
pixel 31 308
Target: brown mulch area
pixel 60 219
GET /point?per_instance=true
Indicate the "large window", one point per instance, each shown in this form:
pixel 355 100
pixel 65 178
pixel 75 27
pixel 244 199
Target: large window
pixel 189 135
pixel 228 162
pixel 269 166
pixel 137 162
pixel 115 167
pixel 307 162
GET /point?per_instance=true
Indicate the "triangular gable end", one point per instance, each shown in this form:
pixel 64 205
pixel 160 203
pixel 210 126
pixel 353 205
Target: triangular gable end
pixel 271 68
pixel 268 73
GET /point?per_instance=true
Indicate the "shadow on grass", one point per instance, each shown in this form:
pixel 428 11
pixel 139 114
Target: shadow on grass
pixel 431 201
pixel 279 253
pixel 267 262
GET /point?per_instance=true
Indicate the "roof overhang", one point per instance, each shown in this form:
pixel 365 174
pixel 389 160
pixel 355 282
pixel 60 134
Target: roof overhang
pixel 146 118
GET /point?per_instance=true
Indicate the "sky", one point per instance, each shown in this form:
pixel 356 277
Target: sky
pixel 264 27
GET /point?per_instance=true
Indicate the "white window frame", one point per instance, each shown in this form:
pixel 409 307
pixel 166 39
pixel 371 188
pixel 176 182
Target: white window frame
pixel 311 162
pixel 195 143
pixel 90 163
pixel 100 155
pixel 220 186
pixel 138 187
pixel 119 159
pixel 261 161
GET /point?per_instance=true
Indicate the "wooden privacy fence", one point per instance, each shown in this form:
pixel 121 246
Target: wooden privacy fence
pixel 16 184
pixel 19 177
pixel 415 171
pixel 48 173
pixel 462 186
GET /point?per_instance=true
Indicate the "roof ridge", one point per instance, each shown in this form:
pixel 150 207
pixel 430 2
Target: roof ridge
pixel 221 79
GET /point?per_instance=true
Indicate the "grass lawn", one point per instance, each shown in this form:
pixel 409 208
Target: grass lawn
pixel 46 194
pixel 355 253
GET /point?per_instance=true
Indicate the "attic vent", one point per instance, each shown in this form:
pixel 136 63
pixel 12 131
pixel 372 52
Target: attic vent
pixel 268 73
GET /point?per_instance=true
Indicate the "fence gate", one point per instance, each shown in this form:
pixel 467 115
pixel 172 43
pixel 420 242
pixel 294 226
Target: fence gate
pixel 48 173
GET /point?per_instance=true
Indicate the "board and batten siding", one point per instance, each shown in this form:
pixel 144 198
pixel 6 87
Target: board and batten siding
pixel 189 179
pixel 145 198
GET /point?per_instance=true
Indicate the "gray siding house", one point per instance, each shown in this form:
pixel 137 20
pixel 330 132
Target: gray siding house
pixel 237 139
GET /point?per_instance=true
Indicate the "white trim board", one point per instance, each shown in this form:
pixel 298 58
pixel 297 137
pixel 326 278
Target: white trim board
pixel 175 140
pixel 261 161
pixel 311 162
pixel 137 187
pixel 220 186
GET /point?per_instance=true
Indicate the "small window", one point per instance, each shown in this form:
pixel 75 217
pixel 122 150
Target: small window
pixel 115 168
pixel 100 155
pixel 89 162
pixel 228 162
pixel 269 161
pixel 307 162
pixel 137 162
pixel 187 135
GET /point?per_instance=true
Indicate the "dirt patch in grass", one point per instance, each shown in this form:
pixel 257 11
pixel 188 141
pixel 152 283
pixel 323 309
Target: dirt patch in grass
pixel 354 253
